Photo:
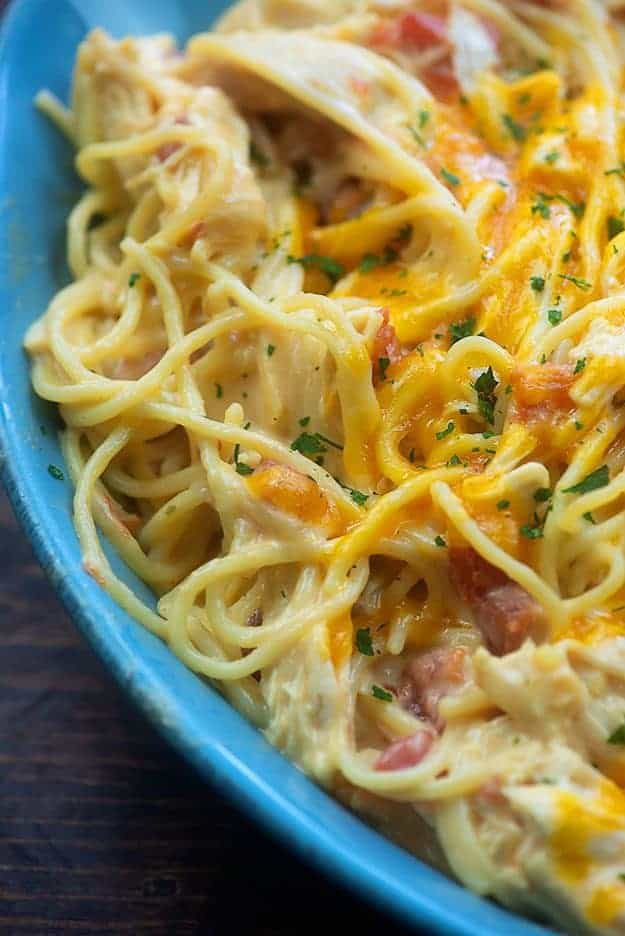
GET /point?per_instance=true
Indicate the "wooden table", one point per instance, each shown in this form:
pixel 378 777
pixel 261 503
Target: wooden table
pixel 103 829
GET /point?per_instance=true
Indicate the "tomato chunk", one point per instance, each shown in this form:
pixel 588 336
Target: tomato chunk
pixel 505 614
pixel 407 752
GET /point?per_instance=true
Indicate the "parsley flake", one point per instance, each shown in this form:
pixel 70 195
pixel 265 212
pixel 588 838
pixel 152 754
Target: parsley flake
pixel 503 504
pixel 439 541
pixel 332 268
pixel 618 736
pixel 133 278
pixel 542 494
pixel 450 178
pixel 460 330
pixel 445 432
pixel 270 349
pixel 615 226
pixel 383 365
pixel 516 131
pixel 580 283
pixel 486 399
pixel 554 316
pixel 381 694
pixel 580 364
pixel 537 283
pixel 363 641
pixel 358 497
pixel 56 473
pixel 257 156
pixel 592 482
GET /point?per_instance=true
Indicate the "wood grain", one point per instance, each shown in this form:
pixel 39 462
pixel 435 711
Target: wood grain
pixel 102 829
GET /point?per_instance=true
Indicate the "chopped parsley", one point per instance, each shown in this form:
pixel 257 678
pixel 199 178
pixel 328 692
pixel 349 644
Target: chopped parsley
pixel 369 262
pixel 615 226
pixel 332 268
pixel 484 386
pixel 383 365
pixel 416 135
pixel 537 283
pixel 460 330
pixel 541 207
pixel 270 349
pixel 592 482
pixel 439 541
pixel 618 736
pixel 381 694
pixel 450 178
pixel 219 391
pixel 580 364
pixel 363 641
pixel 579 425
pixel 552 157
pixel 309 444
pixel 358 497
pixel 532 532
pixel 240 466
pixel 133 278
pixel 56 473
pixel 516 131
pixel 554 316
pixel 445 432
pixel 454 460
pixel 257 156
pixel 304 421
pixel 424 116
pixel 589 517
pixel 503 504
pixel 542 494
pixel 580 283
pixel 618 170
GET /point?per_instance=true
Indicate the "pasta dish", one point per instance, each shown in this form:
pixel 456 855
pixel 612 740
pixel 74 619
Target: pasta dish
pixel 341 370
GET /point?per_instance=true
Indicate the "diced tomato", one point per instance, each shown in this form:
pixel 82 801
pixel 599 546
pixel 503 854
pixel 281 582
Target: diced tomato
pixel 441 80
pixel 505 614
pixel 386 344
pixel 407 752
pixel 472 576
pixel 167 150
pixel 421 30
pixel 428 678
pixel 541 389
pixel 410 30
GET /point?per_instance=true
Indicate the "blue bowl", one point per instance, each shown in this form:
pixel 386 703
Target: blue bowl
pixel 37 188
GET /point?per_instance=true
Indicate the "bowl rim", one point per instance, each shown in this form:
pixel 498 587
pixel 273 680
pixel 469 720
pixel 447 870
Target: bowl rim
pixel 415 899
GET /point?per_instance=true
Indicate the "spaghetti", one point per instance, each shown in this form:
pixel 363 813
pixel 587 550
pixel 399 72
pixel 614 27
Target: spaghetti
pixel 342 373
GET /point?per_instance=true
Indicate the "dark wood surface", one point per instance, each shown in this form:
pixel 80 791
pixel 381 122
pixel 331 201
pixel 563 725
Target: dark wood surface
pixel 103 829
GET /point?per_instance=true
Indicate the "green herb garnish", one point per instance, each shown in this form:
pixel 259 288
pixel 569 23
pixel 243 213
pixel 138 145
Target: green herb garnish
pixel 460 330
pixel 332 268
pixel 515 129
pixel 381 694
pixel 486 399
pixel 592 482
pixel 450 177
pixel 363 641
pixel 445 432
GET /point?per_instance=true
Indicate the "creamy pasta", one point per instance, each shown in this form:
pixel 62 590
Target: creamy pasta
pixel 342 371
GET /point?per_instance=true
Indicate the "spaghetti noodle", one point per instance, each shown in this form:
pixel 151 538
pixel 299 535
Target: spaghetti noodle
pixel 342 373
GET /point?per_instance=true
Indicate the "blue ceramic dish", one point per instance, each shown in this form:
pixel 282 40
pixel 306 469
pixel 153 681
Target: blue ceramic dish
pixel 37 188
